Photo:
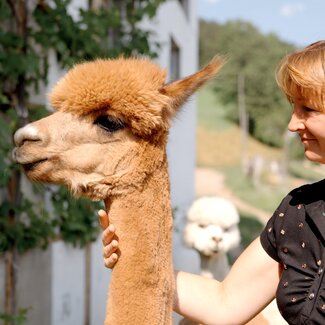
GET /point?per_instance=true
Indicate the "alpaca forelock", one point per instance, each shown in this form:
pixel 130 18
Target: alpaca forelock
pixel 129 89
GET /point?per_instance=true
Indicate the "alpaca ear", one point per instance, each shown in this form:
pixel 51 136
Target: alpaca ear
pixel 180 90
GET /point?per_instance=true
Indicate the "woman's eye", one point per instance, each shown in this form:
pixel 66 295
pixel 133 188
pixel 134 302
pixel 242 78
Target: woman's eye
pixel 109 124
pixel 308 109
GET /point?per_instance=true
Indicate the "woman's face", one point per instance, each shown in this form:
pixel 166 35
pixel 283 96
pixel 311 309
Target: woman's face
pixel 310 125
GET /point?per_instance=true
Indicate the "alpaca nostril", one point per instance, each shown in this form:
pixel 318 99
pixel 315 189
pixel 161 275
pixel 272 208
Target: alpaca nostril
pixel 26 133
pixel 217 239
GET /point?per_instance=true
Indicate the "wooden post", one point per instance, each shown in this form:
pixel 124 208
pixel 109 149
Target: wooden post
pixel 243 119
pixel 88 283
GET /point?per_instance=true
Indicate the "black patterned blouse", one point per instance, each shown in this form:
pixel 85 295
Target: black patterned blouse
pixel 295 237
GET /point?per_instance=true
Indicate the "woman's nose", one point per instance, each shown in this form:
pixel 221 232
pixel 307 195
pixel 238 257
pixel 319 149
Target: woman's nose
pixel 296 122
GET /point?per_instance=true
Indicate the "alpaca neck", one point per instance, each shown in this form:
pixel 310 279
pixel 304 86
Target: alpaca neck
pixel 141 288
pixel 216 266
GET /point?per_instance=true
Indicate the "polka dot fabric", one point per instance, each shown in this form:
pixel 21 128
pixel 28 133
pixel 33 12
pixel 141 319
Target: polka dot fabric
pixel 295 237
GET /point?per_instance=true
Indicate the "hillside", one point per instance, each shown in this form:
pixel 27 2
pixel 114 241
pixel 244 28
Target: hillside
pixel 219 141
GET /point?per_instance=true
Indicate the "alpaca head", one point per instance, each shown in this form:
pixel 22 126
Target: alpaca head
pixel 110 126
pixel 212 226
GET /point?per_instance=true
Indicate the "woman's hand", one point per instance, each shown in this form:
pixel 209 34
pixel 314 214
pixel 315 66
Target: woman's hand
pixel 111 251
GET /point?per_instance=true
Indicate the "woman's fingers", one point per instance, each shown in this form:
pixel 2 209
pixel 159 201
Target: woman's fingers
pixel 110 261
pixel 111 251
pixel 108 235
pixel 103 219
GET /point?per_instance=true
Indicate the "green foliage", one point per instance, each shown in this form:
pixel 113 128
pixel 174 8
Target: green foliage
pixel 76 221
pixel 254 56
pixel 27 225
pixel 18 319
pixel 8 122
pixel 104 32
pixel 27 34
pixel 24 226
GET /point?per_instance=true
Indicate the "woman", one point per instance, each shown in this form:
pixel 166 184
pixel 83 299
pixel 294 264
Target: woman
pixel 288 258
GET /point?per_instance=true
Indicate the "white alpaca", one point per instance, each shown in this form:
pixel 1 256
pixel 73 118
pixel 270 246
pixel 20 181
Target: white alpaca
pixel 212 230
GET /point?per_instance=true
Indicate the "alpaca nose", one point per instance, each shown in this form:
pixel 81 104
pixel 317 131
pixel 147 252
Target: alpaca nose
pixel 217 239
pixel 26 133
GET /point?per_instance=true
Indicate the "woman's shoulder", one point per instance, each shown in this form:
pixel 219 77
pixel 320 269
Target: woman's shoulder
pixel 306 193
pixel 289 215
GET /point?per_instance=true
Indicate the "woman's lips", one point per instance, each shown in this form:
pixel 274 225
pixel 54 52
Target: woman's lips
pixel 307 139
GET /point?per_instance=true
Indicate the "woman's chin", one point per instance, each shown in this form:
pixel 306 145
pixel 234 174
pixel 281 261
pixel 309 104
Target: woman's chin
pixel 315 157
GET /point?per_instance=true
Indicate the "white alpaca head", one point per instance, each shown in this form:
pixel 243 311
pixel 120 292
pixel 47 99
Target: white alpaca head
pixel 212 226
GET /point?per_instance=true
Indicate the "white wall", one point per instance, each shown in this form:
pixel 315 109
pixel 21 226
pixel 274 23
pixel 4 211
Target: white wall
pixel 2 283
pixel 68 285
pixel 99 285
pixel 51 283
pixel 34 285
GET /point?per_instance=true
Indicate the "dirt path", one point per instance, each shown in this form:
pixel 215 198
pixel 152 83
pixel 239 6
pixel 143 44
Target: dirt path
pixel 211 182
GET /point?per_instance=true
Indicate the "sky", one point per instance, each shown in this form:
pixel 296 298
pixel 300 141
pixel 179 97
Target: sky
pixel 300 22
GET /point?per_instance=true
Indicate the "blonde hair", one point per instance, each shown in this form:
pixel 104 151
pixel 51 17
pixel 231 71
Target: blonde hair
pixel 301 76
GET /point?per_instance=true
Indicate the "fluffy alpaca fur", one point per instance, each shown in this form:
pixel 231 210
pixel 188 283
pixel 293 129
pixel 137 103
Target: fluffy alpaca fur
pixel 212 230
pixel 107 141
pixel 97 85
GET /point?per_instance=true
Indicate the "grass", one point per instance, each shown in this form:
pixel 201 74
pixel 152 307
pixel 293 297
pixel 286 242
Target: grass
pixel 307 170
pixel 264 196
pixel 219 141
pixel 211 114
pixel 219 149
pixel 250 228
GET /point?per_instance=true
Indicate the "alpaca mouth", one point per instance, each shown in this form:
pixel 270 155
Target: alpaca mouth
pixel 32 165
pixel 215 250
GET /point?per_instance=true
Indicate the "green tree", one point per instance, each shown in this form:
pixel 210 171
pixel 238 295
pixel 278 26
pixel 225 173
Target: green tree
pixel 28 32
pixel 253 56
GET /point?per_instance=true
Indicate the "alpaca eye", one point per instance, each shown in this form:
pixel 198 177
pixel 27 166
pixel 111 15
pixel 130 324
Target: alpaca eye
pixel 109 124
pixel 202 226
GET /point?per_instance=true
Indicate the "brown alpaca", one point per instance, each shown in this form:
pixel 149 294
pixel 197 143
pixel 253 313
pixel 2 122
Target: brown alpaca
pixel 107 141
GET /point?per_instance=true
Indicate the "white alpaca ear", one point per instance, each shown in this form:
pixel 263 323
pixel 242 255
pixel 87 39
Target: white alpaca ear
pixel 180 90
